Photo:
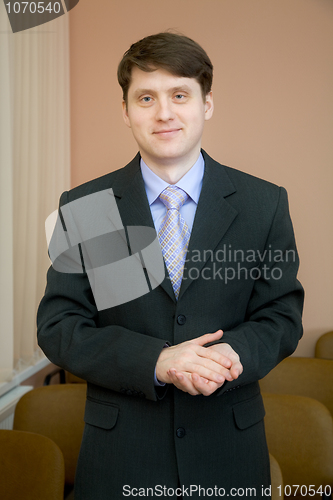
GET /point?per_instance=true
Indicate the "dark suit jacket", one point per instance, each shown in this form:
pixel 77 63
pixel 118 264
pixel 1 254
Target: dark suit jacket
pixel 240 277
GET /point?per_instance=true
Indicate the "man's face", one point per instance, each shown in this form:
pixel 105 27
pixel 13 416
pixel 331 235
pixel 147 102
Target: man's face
pixel 166 114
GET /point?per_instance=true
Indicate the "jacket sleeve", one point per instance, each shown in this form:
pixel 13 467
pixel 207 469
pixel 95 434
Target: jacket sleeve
pixel 273 325
pixel 111 356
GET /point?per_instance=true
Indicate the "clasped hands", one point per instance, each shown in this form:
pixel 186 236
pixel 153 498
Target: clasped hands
pixel 196 369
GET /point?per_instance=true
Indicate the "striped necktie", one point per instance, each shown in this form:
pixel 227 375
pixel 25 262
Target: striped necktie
pixel 174 235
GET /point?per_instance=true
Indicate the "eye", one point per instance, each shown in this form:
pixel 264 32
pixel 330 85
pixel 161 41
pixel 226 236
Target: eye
pixel 146 99
pixel 181 97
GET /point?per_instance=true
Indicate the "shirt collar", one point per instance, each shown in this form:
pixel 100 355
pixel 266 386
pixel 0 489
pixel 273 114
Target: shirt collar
pixel 191 182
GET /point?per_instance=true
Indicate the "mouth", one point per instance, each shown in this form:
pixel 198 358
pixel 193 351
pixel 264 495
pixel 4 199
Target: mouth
pixel 167 132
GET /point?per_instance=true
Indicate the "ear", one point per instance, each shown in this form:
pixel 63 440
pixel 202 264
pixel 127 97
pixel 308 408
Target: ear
pixel 125 114
pixel 209 106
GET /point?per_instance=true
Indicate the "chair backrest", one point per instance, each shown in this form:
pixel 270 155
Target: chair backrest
pixel 299 434
pixel 276 478
pixel 324 346
pixel 31 467
pixel 73 379
pixel 309 377
pixel 56 411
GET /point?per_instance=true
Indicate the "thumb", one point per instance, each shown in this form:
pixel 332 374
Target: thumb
pixel 208 337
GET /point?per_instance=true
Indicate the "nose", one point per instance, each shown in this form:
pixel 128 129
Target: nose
pixel 164 111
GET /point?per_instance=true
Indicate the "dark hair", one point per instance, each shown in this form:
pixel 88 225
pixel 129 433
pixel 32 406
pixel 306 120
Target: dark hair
pixel 175 53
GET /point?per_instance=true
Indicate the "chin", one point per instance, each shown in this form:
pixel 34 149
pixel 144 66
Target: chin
pixel 170 152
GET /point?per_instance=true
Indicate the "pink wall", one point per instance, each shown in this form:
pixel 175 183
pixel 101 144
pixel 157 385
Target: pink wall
pixel 273 117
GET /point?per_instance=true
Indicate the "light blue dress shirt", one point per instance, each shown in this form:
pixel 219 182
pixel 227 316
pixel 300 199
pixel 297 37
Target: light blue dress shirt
pixel 191 183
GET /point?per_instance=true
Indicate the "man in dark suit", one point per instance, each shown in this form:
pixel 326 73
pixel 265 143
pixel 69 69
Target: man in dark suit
pixel 173 402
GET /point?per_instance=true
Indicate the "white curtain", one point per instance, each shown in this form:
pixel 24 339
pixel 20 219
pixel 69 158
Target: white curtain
pixel 36 67
pixel 6 208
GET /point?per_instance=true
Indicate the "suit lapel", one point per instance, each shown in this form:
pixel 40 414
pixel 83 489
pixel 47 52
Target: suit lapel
pixel 130 194
pixel 213 217
pixel 131 197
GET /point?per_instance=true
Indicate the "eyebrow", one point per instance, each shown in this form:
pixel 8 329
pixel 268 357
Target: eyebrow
pixel 179 88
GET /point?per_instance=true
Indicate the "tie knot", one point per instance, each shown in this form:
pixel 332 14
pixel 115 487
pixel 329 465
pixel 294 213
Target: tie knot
pixel 173 197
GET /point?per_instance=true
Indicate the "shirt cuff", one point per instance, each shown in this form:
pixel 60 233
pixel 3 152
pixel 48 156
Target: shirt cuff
pixel 157 382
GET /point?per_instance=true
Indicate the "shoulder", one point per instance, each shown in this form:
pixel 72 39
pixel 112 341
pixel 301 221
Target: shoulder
pixel 238 177
pixel 256 190
pixel 246 188
pixel 117 177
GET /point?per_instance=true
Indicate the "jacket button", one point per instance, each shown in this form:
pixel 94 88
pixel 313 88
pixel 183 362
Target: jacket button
pixel 180 432
pixel 181 319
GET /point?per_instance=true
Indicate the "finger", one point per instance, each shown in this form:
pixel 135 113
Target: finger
pixel 210 359
pixel 225 350
pixel 236 369
pixel 190 357
pixel 213 355
pixel 208 337
pixel 207 363
pixel 182 382
pixel 204 386
pixel 217 374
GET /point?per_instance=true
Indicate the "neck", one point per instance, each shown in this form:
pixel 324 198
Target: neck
pixel 169 170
